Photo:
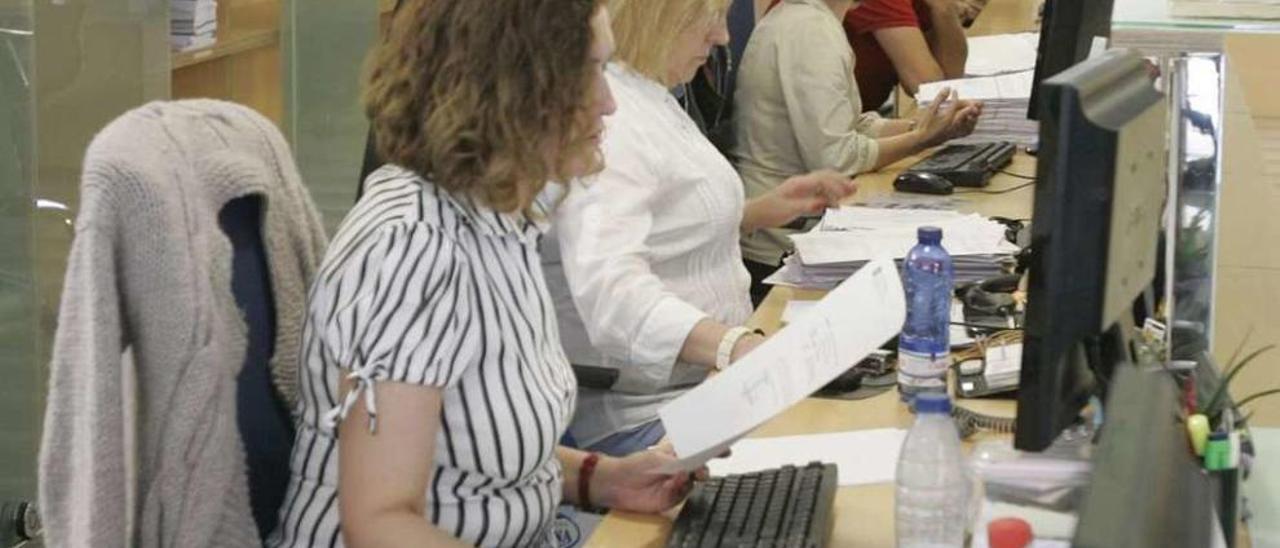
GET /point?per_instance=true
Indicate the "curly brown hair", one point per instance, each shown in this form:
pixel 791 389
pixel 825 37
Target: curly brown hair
pixel 472 94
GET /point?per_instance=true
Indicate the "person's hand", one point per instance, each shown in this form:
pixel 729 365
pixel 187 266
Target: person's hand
pixel 946 118
pixel 807 194
pixel 633 484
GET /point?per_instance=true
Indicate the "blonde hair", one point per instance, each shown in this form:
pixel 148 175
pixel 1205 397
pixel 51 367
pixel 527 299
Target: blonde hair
pixel 645 29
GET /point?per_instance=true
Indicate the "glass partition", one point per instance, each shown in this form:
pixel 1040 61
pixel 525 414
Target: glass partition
pixel 1196 82
pixel 325 46
pixel 19 399
pixel 96 59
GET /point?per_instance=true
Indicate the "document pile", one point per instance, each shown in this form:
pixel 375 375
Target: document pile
pixel 1001 54
pixel 192 24
pixel 848 237
pixel 999 72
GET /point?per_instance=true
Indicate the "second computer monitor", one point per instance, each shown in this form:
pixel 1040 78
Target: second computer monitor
pixel 1070 30
pixel 1099 198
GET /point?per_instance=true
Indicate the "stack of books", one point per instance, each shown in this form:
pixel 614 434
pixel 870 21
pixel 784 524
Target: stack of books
pixel 193 24
pixel 849 237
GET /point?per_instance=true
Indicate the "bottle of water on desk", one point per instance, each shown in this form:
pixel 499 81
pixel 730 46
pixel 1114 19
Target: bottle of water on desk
pixel 933 485
pixel 924 348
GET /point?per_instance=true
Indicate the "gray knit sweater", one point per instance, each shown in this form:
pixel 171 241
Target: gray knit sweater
pixel 149 277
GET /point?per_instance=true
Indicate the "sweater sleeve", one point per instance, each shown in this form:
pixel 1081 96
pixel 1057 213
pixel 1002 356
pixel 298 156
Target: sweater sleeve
pixel 82 454
pixel 822 103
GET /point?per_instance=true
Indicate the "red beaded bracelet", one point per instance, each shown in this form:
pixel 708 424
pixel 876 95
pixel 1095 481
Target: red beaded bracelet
pixel 584 479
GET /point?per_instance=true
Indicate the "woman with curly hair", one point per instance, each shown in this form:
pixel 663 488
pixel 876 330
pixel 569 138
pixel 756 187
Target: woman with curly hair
pixel 433 385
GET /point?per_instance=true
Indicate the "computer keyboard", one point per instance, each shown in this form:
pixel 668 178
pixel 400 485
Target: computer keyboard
pixel 968 164
pixel 782 507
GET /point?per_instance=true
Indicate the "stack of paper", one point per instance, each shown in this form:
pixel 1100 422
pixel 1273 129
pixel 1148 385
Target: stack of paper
pixel 849 237
pixel 192 24
pixel 1004 98
pixel 1001 54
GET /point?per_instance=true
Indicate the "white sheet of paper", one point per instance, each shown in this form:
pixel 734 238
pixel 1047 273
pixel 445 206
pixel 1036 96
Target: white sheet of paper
pixel 968 235
pixel 1015 85
pixel 796 310
pixel 1001 53
pixel 861 456
pixel 852 320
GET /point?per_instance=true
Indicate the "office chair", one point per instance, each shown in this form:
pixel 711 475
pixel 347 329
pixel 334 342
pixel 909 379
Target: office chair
pixel 266 428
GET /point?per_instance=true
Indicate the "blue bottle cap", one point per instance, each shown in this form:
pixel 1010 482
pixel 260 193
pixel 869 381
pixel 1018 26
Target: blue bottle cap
pixel 929 235
pixel 930 402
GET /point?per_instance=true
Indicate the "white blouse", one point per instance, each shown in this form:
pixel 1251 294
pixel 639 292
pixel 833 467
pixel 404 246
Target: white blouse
pixel 647 248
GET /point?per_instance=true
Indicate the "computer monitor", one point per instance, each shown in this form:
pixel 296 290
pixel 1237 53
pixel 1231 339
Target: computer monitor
pixel 1069 30
pixel 1099 197
pixel 1147 488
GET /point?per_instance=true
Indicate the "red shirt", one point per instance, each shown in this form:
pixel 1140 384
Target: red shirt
pixel 872 68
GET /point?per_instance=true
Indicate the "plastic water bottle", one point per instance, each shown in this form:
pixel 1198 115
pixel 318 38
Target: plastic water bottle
pixel 933 485
pixel 924 348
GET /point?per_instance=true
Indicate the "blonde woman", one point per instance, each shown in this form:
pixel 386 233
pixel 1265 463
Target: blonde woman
pixel 433 387
pixel 653 287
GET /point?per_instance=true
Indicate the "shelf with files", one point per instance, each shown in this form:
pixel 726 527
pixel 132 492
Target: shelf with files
pixel 230 43
pixel 244 63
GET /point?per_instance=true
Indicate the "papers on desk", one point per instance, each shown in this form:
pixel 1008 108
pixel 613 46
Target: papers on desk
pixel 861 456
pixel 795 310
pixel 959 335
pixel 1001 54
pixel 1004 112
pixel 846 325
pixel 848 237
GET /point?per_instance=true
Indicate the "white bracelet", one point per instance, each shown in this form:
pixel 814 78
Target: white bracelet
pixel 725 350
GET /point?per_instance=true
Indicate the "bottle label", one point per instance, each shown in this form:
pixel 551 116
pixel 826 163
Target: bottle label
pixel 922 369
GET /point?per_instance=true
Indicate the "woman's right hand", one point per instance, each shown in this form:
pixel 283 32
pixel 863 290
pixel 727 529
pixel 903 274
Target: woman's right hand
pixel 946 118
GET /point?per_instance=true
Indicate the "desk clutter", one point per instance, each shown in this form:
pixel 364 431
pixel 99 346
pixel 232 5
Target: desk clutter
pixel 1000 72
pixel 849 237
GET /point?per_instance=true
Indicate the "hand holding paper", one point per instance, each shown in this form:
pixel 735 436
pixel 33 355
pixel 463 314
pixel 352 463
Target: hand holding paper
pixel 851 321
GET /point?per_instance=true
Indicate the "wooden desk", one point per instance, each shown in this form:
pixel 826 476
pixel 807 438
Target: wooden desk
pixel 864 513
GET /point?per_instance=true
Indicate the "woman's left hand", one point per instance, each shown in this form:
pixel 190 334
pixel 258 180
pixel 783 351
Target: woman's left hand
pixel 633 483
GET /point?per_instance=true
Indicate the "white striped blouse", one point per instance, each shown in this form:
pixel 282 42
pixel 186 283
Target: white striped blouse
pixel 423 287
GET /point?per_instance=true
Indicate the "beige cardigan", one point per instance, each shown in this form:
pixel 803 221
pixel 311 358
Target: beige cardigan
pixel 150 273
pixel 797 109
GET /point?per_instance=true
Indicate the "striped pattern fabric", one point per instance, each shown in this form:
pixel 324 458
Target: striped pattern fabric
pixel 423 287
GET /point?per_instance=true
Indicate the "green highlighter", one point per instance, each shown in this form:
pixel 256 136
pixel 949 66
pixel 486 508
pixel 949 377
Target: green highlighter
pixel 1217 453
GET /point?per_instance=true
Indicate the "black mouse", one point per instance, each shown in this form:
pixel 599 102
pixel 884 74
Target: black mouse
pixel 923 183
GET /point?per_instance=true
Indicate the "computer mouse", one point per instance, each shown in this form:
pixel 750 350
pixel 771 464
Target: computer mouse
pixel 923 183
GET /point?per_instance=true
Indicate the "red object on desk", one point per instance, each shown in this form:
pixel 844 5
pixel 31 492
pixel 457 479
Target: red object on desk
pixel 1009 533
